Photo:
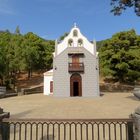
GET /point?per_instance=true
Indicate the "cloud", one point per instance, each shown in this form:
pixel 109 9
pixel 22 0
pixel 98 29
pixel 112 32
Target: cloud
pixel 6 7
pixel 7 11
pixel 44 36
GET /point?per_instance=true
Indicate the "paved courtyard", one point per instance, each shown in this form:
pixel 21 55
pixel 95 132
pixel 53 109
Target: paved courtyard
pixel 110 105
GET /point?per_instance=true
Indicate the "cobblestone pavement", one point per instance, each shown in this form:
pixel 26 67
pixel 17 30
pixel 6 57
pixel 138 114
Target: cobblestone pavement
pixel 110 105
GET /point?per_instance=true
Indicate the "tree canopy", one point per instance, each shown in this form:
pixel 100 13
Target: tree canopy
pixel 63 36
pixel 118 6
pixel 119 57
pixel 26 52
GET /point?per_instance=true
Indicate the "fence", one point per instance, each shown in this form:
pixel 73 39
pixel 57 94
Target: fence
pixel 2 91
pixel 67 129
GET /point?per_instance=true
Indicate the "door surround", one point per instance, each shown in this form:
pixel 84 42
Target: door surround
pixel 75 85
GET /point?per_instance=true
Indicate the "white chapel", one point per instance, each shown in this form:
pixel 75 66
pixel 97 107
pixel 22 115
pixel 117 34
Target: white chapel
pixel 75 70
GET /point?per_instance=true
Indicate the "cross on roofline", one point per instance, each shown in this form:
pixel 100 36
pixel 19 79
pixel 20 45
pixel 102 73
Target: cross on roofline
pixel 75 25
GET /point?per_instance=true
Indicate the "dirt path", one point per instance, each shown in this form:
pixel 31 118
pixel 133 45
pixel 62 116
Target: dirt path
pixel 111 105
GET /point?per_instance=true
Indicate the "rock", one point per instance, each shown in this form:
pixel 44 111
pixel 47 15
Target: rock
pixel 136 121
pixel 137 110
pixel 136 91
pixel 1 110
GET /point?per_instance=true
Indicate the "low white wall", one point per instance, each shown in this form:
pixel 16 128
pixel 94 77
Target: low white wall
pixel 47 80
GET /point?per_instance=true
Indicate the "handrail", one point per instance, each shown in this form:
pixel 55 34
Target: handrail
pixel 76 67
pixel 76 64
pixel 68 120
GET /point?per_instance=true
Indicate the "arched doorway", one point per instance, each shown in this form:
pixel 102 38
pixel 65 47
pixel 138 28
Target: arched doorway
pixel 76 85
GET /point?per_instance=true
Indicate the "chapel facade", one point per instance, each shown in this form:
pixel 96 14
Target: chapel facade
pixel 75 68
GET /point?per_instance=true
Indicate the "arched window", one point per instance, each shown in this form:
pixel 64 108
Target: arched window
pixel 70 43
pixel 75 33
pixel 80 43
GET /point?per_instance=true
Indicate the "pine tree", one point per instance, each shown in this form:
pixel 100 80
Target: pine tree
pixel 17 31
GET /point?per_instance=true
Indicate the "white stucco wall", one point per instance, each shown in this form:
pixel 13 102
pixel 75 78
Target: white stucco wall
pixel 86 44
pixel 60 74
pixel 48 77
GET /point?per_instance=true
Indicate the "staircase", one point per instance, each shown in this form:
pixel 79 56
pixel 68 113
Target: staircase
pixel 30 86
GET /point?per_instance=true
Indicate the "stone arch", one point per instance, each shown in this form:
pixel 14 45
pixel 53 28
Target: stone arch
pixel 75 33
pixel 70 43
pixel 75 85
pixel 80 43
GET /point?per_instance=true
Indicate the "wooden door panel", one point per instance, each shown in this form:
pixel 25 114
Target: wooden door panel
pixel 75 59
pixel 51 86
pixel 76 78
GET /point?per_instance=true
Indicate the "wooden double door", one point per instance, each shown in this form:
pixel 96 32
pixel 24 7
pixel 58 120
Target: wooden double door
pixel 76 85
pixel 75 59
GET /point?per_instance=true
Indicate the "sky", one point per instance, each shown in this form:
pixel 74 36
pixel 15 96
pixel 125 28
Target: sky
pixel 50 19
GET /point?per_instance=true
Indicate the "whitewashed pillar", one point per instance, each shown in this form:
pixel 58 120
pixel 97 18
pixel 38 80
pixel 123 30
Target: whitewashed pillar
pixel 56 43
